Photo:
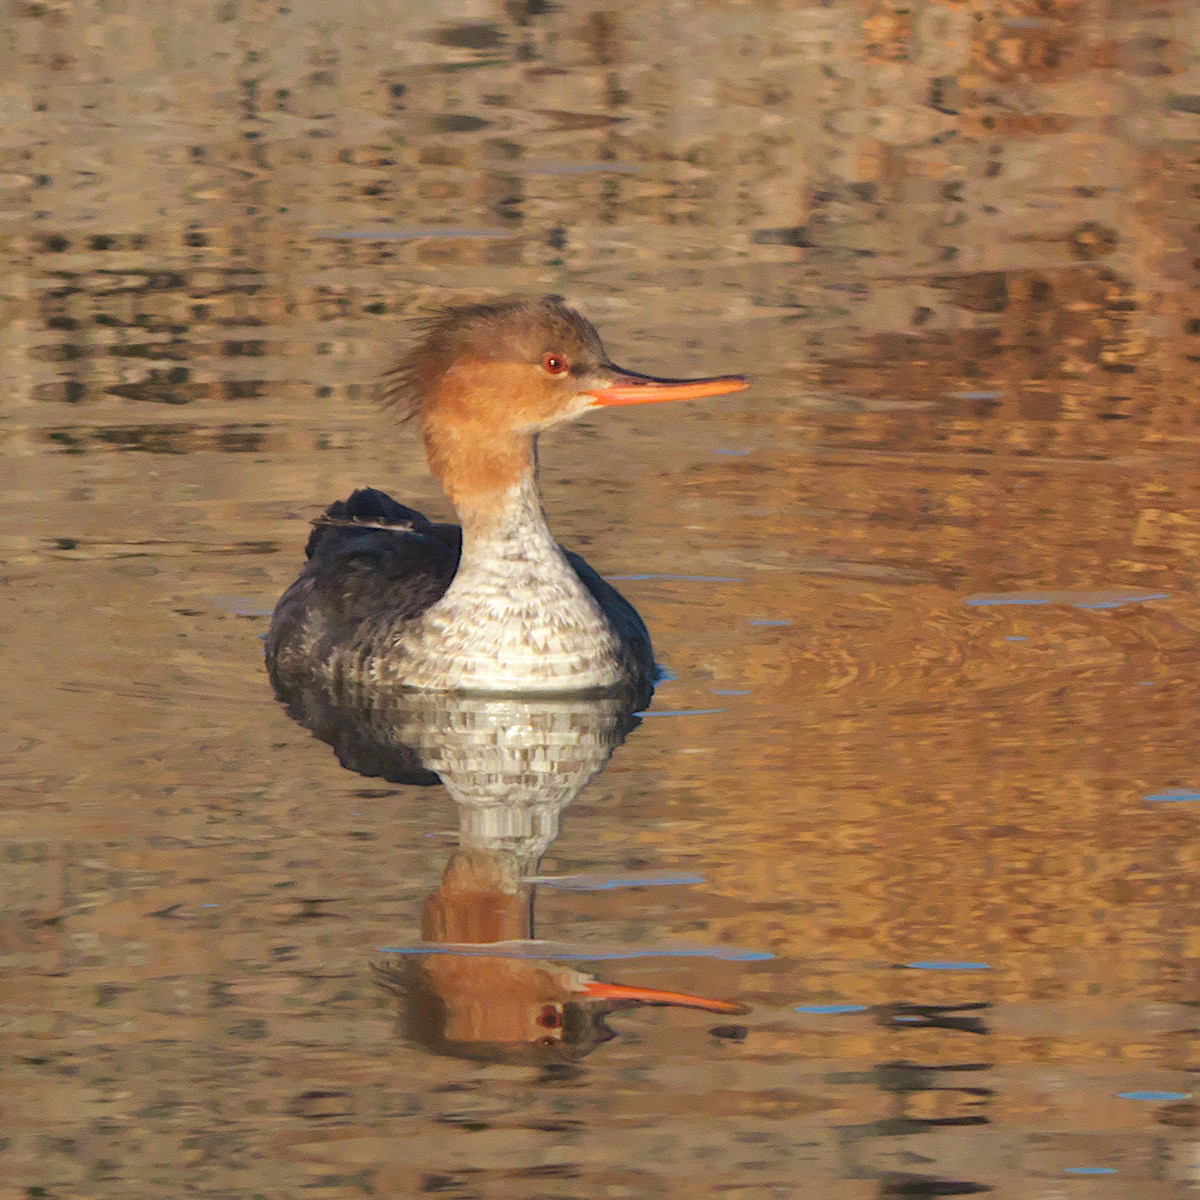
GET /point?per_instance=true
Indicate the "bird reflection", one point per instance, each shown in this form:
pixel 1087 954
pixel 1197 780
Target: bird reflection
pixel 511 765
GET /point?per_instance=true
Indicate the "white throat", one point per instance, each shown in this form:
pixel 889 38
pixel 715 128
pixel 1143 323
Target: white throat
pixel 516 616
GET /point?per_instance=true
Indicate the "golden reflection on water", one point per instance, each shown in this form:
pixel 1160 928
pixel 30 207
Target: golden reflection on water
pixel 956 246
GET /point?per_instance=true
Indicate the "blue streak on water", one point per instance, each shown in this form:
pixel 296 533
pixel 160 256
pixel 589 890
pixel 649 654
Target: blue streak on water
pixel 573 951
pixel 766 622
pixel 1078 598
pixel 1016 638
pixel 1173 796
pixel 733 453
pixel 731 691
pixel 1118 603
pixel 978 395
pixel 680 712
pixel 1089 1170
pixel 936 964
pixel 830 1009
pixel 1154 1095
pixel 594 882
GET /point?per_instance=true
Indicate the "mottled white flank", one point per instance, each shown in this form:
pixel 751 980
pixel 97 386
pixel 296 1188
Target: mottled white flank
pixel 516 618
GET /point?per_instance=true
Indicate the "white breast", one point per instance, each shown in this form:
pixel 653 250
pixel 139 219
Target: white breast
pixel 516 617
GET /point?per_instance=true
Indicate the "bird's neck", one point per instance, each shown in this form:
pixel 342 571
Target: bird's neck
pixel 511 526
pixel 478 466
pixel 492 483
pixel 516 616
pixel 510 557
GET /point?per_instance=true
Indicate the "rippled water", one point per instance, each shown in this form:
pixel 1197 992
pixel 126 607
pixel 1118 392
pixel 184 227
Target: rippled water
pixel 927 756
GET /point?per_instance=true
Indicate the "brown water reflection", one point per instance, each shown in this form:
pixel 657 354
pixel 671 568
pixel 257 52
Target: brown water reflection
pixel 478 984
pixel 956 246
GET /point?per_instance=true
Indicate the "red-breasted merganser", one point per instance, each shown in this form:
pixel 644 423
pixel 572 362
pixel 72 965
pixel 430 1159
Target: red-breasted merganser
pixel 388 597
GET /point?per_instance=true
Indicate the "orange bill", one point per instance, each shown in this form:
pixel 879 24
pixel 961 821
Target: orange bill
pixel 618 991
pixel 627 387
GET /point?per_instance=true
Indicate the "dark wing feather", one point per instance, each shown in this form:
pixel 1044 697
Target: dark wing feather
pixel 366 509
pixel 370 559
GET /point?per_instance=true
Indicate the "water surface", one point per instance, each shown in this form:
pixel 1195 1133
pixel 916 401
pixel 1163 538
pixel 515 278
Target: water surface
pixel 956 247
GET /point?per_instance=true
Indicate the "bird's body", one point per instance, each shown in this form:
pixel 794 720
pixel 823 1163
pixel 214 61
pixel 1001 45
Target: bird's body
pixel 388 598
pixel 383 599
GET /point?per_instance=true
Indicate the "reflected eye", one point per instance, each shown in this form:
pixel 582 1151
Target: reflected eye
pixel 555 363
pixel 549 1017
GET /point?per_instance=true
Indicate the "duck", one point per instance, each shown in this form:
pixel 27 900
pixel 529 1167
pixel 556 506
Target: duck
pixel 493 604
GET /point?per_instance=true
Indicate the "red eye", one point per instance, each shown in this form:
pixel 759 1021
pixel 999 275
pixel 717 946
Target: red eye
pixel 555 364
pixel 549 1017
